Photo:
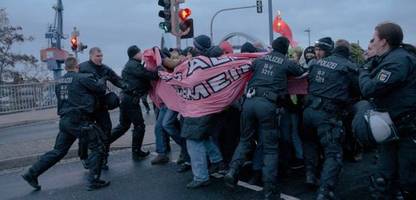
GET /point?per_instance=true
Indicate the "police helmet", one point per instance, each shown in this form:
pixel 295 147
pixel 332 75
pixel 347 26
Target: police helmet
pixel 111 100
pixel 371 127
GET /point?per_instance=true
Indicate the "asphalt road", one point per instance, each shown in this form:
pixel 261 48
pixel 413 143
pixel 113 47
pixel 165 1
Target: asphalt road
pixel 140 180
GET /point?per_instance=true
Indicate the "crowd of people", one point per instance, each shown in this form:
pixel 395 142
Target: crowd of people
pixel 268 128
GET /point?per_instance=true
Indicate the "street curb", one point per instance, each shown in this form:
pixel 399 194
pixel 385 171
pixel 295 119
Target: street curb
pixel 29 160
pixel 27 122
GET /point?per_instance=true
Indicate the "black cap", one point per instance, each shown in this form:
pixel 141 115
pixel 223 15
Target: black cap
pixel 202 43
pixel 132 51
pixel 281 45
pixel 326 44
pixel 248 48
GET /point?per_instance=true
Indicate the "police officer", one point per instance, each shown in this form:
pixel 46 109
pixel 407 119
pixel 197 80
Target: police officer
pixel 137 79
pixel 76 101
pixel 391 84
pixel 101 115
pixel 331 80
pixel 266 91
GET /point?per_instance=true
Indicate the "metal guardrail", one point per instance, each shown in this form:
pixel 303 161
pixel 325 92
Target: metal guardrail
pixel 31 96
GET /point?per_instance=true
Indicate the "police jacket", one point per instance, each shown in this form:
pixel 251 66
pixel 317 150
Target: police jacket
pixel 137 78
pixel 100 71
pixel 392 82
pixel 76 93
pixel 270 72
pixel 334 77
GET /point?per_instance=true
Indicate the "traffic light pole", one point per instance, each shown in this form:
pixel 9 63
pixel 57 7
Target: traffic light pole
pixel 176 27
pixel 223 10
pixel 270 22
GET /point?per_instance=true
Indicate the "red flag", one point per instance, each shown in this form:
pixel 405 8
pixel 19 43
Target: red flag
pixel 280 26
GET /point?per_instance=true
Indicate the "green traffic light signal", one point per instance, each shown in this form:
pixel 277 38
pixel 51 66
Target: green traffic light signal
pixel 165 26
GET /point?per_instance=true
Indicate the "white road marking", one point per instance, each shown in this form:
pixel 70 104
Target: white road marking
pixel 258 188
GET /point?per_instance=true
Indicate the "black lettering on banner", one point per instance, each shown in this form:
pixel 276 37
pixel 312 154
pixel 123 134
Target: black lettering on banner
pixel 234 74
pixel 177 76
pixel 245 68
pixel 165 78
pixel 196 63
pixel 219 82
pixel 196 93
pixel 219 61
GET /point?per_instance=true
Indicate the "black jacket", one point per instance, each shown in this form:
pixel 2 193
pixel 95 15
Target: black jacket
pixel 271 71
pixel 137 78
pixel 101 71
pixel 76 93
pixel 392 82
pixel 333 77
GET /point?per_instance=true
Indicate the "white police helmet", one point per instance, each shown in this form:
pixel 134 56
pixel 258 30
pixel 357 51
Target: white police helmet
pixel 381 126
pixel 371 127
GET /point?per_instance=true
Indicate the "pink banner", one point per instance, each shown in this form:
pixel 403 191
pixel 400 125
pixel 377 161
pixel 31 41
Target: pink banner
pixel 201 85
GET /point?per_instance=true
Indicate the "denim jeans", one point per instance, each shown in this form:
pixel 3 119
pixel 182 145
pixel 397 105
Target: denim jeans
pixel 165 127
pixel 160 134
pixel 290 133
pixel 198 151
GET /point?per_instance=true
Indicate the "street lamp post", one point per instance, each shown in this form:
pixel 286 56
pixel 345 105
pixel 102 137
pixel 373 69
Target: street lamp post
pixel 308 30
pixel 222 10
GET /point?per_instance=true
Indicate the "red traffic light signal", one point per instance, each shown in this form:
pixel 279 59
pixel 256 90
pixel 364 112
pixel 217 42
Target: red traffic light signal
pixel 184 13
pixel 74 43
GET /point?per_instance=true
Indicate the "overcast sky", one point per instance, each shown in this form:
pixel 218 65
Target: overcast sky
pixel 114 25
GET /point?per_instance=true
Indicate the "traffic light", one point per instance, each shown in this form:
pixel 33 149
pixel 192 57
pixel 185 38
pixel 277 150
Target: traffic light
pixel 186 25
pixel 74 43
pixel 82 46
pixel 166 15
pixel 184 13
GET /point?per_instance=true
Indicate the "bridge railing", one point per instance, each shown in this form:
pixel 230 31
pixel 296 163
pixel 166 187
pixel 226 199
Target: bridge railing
pixel 30 96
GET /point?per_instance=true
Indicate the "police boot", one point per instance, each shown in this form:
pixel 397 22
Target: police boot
pixel 32 180
pixel 138 154
pixel 256 178
pixel 97 184
pixel 326 194
pixel 408 195
pixel 271 192
pixel 231 178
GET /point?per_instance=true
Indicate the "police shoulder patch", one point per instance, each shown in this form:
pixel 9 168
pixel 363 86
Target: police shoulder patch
pixel 384 76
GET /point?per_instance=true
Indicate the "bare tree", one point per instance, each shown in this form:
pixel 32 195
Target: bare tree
pixel 10 35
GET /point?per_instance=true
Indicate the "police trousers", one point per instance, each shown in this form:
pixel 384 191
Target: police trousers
pixel 69 130
pixel 323 132
pixel 259 115
pixel 130 113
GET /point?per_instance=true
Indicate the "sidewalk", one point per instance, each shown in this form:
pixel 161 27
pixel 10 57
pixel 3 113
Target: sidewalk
pixel 22 118
pixel 26 136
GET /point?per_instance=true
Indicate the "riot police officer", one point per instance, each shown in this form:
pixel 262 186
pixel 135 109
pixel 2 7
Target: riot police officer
pixel 331 81
pixel 266 91
pixel 391 84
pixel 137 79
pixel 76 101
pixel 101 115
